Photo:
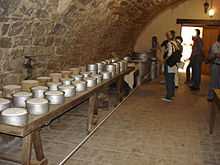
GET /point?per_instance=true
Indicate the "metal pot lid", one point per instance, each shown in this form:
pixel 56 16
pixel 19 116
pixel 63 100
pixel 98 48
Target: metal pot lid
pixel 67 87
pixel 79 82
pixel 19 94
pixel 12 87
pixel 66 79
pixel 4 101
pixel 43 78
pixel 30 81
pixel 37 101
pixel 55 74
pixel 54 93
pixel 40 88
pixel 66 71
pixel 53 83
pixel 74 69
pixel 13 112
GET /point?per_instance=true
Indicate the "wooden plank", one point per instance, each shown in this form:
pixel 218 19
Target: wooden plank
pixel 35 122
pixel 38 145
pixel 8 157
pixel 201 22
pixel 26 150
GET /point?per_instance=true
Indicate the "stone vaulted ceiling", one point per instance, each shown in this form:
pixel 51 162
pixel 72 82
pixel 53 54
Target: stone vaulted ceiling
pixel 61 33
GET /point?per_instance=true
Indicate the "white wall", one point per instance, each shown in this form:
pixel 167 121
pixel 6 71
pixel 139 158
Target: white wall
pixel 191 9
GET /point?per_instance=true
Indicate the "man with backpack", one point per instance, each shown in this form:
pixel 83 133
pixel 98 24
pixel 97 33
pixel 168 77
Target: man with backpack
pixel 170 67
pixel 179 52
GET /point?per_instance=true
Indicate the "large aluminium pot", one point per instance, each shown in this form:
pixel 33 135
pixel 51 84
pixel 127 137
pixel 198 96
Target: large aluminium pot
pixel 9 90
pixel 55 97
pixel 111 68
pixel 37 106
pixel 53 86
pixel 20 98
pixel 38 91
pixel 69 90
pixel 101 67
pixel 15 116
pixel 106 75
pixel 81 86
pixel 4 104
pixel 92 67
pixel 91 82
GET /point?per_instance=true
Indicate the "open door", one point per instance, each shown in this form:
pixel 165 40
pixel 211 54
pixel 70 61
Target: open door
pixel 209 37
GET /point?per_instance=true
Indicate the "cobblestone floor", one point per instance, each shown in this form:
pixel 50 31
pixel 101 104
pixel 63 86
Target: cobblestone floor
pixel 143 131
pixel 148 131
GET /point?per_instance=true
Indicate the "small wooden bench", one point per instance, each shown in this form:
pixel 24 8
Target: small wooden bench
pixel 215 105
pixel 30 132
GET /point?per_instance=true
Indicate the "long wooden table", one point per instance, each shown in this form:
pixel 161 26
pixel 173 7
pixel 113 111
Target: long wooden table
pixel 30 131
pixel 215 105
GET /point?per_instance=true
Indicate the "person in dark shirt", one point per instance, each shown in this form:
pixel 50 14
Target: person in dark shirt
pixel 197 58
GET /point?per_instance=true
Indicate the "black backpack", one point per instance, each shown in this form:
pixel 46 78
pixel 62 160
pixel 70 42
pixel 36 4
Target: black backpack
pixel 176 55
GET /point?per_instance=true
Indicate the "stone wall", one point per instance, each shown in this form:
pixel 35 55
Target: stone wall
pixel 57 34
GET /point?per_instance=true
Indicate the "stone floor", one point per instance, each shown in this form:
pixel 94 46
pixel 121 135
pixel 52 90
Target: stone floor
pixel 143 131
pixel 148 131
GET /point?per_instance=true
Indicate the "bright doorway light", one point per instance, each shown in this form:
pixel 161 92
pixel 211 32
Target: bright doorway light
pixel 186 33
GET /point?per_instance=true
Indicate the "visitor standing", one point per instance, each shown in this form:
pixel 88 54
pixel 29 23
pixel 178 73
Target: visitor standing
pixel 170 71
pixel 197 58
pixel 214 60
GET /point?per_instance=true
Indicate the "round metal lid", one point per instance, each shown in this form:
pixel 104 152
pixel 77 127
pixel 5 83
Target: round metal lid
pixel 12 87
pixel 55 74
pixel 67 87
pixel 9 112
pixel 18 94
pixel 30 81
pixel 54 93
pixel 44 78
pixel 4 101
pixel 40 88
pixel 37 101
pixel 53 83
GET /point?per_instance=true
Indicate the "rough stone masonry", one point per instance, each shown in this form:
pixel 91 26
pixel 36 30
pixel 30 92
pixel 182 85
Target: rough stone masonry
pixel 57 34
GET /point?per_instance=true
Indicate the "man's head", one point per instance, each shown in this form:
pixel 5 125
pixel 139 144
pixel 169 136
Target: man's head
pixel 171 35
pixel 197 33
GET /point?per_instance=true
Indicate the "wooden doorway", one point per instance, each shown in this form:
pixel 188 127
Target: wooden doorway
pixel 209 37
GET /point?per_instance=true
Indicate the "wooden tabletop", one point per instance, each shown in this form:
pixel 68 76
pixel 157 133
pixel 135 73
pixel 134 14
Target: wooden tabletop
pixel 34 122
